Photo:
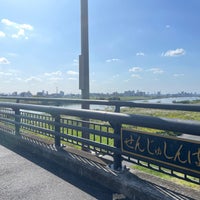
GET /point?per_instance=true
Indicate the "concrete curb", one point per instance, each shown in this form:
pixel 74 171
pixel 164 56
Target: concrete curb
pixel 90 167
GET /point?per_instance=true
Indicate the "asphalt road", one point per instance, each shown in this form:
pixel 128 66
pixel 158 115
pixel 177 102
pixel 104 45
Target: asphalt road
pixel 24 176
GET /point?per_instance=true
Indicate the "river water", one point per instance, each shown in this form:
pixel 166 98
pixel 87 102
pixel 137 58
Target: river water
pixel 169 100
pixel 162 100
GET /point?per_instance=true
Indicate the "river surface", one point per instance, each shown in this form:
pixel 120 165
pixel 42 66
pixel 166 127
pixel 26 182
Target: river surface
pixel 162 100
pixel 169 100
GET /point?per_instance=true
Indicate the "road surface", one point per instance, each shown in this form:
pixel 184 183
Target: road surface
pixel 25 176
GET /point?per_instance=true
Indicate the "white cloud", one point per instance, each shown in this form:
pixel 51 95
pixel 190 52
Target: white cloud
pixel 172 53
pixel 19 79
pixel 70 72
pixel 115 76
pixel 9 74
pixel 26 27
pixel 19 29
pixel 178 75
pixel 135 69
pixel 21 33
pixel 156 71
pixel 2 34
pixel 55 78
pixel 136 76
pixel 13 54
pixel 33 79
pixel 4 61
pixel 112 60
pixel 140 54
pixel 72 79
pixel 75 62
pixel 7 22
pixel 57 73
pixel 6 74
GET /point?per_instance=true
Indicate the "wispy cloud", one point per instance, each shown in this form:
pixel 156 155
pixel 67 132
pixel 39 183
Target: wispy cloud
pixel 20 30
pixel 75 62
pixel 11 73
pixel 33 79
pixel 57 73
pixel 113 60
pixel 136 76
pixel 178 75
pixel 135 69
pixel 156 70
pixel 140 54
pixel 2 34
pixel 70 72
pixel 72 79
pixel 115 76
pixel 167 26
pixel 4 61
pixel 176 52
pixel 12 54
pixel 54 76
pixel 6 74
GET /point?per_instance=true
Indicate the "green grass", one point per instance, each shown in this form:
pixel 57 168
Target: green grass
pixel 166 177
pixel 185 115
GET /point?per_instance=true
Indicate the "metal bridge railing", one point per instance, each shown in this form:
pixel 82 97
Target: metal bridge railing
pixel 117 105
pixel 113 134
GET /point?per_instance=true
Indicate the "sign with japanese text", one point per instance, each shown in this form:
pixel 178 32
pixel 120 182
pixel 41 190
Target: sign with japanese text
pixel 171 152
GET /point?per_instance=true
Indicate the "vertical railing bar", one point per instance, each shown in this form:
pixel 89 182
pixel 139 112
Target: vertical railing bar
pixel 117 165
pixel 17 121
pixel 57 129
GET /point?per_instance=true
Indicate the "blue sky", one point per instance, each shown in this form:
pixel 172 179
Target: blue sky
pixel 134 45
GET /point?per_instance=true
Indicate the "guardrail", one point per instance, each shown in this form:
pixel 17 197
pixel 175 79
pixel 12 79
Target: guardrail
pixel 115 103
pixel 113 134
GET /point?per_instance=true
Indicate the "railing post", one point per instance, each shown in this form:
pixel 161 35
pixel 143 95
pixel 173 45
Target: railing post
pixel 17 121
pixel 85 124
pixel 117 143
pixel 117 108
pixel 57 129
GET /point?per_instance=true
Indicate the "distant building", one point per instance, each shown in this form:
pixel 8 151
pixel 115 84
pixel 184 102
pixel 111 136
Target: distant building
pixel 14 94
pixel 42 94
pixel 25 94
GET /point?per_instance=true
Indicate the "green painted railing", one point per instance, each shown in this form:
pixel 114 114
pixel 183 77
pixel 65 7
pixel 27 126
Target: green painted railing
pixel 114 134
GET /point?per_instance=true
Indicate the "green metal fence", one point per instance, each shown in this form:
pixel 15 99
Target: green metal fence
pixel 113 134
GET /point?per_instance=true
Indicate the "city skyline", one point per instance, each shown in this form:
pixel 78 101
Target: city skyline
pixel 134 45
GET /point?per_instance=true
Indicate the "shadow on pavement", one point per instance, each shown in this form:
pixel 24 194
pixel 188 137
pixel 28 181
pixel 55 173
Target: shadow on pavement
pixel 94 189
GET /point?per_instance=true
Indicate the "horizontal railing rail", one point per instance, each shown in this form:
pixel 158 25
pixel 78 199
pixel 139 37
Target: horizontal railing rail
pixel 107 134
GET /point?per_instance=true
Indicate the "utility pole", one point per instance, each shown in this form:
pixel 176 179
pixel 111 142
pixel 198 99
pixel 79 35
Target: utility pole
pixel 84 67
pixel 84 57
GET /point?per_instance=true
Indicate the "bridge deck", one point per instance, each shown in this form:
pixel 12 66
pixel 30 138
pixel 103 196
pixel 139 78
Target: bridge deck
pixel 20 177
pixel 23 176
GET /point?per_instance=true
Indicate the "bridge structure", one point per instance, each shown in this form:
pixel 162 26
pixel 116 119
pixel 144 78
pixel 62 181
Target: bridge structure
pixel 153 142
